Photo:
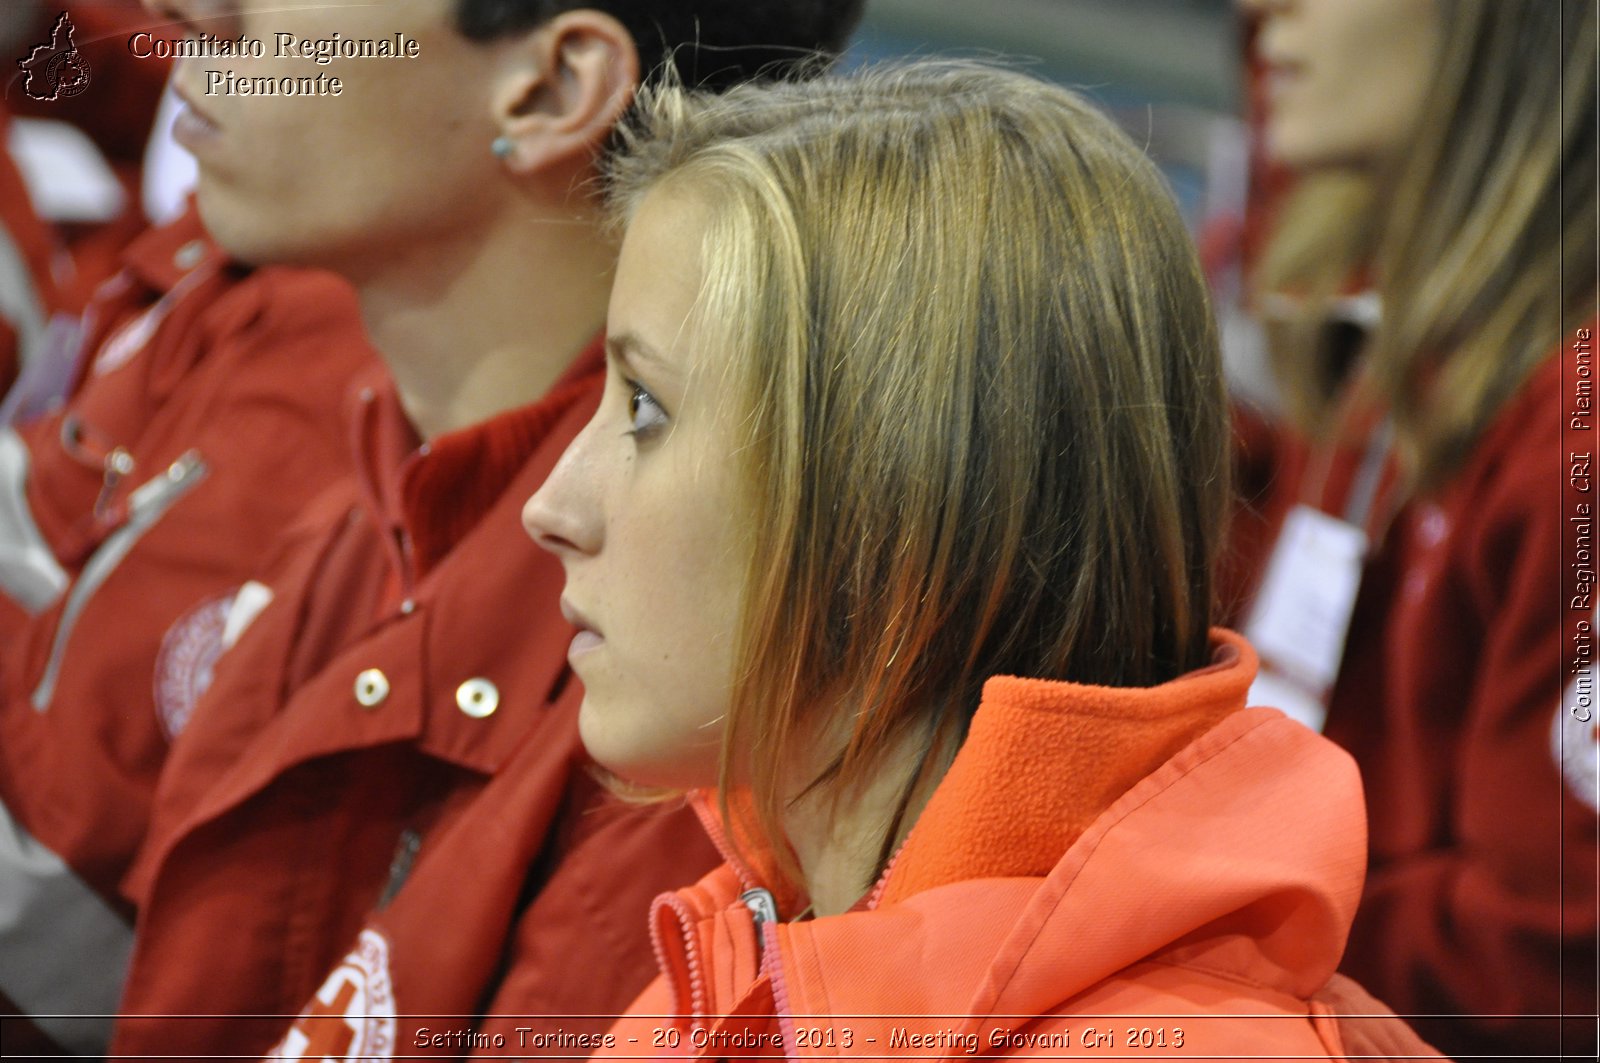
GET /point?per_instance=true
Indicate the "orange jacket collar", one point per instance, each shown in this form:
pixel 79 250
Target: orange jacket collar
pixel 1243 852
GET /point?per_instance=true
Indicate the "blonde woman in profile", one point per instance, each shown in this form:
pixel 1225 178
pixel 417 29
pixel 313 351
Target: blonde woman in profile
pixel 892 541
pixel 1434 290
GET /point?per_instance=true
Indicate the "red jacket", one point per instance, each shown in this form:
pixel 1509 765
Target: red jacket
pixel 1155 872
pixel 387 765
pixel 524 914
pixel 1480 907
pixel 218 391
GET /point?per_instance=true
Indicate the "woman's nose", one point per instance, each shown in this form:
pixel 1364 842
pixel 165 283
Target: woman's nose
pixel 563 516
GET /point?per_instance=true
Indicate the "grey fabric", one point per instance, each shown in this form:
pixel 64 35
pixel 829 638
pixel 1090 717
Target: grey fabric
pixel 29 572
pixel 19 300
pixel 63 951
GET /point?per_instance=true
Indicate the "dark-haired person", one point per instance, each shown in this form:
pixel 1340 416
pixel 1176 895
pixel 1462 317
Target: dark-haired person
pixel 892 540
pixel 1441 435
pixel 131 514
pixel 405 651
pixel 133 520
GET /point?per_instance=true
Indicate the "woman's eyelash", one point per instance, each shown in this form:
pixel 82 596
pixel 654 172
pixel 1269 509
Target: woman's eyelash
pixel 645 414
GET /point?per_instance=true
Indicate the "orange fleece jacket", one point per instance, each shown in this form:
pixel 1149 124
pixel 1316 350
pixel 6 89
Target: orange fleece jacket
pixel 1123 872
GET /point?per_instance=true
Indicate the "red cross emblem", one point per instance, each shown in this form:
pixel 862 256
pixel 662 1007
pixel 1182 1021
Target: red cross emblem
pixel 353 1014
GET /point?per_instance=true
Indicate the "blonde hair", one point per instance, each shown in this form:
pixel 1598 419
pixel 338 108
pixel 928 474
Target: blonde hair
pixel 979 395
pixel 1483 242
pixel 1323 239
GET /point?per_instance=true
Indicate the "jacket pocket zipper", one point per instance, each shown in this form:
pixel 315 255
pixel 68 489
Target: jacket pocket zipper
pixel 146 506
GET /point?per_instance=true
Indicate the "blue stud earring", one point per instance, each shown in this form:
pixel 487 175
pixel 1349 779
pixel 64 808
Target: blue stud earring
pixel 502 147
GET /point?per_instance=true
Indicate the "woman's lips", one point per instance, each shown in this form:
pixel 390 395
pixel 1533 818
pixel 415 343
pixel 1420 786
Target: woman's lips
pixel 583 642
pixel 587 639
pixel 193 129
pixel 1279 75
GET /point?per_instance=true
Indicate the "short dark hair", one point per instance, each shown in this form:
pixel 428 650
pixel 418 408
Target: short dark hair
pixel 708 44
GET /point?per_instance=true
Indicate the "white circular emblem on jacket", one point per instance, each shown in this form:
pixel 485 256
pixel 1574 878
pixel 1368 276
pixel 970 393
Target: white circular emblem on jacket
pixel 188 656
pixel 185 662
pixel 352 1016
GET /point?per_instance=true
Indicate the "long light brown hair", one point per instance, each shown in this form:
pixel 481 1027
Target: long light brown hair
pixel 1481 237
pixel 981 417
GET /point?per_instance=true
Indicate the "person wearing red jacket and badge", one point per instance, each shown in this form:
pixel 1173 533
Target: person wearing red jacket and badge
pixel 914 386
pixel 134 520
pixel 381 805
pixel 1429 594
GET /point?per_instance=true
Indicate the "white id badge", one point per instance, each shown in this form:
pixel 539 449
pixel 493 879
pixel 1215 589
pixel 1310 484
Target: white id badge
pixel 1302 613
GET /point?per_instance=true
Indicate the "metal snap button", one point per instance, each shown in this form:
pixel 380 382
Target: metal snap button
pixel 372 687
pixel 189 255
pixel 477 698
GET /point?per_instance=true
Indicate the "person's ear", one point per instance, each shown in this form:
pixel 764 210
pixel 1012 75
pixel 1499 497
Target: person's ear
pixel 569 83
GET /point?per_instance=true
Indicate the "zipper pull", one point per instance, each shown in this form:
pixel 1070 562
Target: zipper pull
pixel 115 463
pixel 118 466
pixel 763 910
pixel 405 854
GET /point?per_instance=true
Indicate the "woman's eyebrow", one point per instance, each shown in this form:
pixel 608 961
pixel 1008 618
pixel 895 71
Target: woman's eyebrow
pixel 629 350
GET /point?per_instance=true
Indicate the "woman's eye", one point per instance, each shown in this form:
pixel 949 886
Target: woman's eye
pixel 644 412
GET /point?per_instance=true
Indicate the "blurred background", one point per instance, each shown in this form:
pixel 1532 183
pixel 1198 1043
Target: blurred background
pixel 1168 69
pixel 100 166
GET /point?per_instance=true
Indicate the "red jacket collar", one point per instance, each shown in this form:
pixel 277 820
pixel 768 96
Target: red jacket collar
pixel 432 494
pixel 163 256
